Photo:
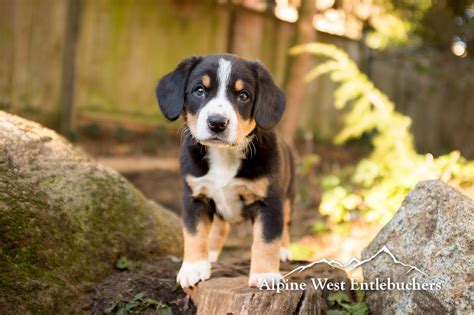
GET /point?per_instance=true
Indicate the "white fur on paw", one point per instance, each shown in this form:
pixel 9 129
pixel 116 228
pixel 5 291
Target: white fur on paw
pixel 284 254
pixel 268 279
pixel 213 255
pixel 193 272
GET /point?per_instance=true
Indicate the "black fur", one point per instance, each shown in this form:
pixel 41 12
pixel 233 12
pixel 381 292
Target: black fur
pixel 270 102
pixel 267 159
pixel 264 161
pixel 170 90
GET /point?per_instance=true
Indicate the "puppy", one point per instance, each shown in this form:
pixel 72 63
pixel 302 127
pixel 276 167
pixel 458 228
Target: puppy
pixel 233 164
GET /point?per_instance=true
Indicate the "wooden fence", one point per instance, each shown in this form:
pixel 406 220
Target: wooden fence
pixel 124 46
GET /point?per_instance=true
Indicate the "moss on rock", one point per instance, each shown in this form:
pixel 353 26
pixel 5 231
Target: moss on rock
pixel 65 219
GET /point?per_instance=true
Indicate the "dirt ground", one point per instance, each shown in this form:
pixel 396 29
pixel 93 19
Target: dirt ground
pixel 155 280
pixel 151 288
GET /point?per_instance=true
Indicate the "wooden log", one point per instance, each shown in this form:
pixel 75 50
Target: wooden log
pixel 227 292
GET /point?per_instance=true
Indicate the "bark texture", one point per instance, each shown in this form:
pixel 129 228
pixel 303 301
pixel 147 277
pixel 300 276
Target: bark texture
pixel 227 291
pixel 300 66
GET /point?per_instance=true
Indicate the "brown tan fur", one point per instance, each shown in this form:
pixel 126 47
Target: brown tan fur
pixel 252 190
pixel 206 81
pixel 219 232
pixel 196 247
pixel 245 126
pixel 239 85
pixel 198 187
pixel 265 256
pixel 285 237
pixel 191 121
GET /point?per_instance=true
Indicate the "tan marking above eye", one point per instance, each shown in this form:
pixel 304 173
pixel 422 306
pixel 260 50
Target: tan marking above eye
pixel 206 81
pixel 239 85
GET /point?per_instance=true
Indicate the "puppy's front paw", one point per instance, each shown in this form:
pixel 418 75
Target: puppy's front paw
pixel 284 254
pixel 193 272
pixel 268 279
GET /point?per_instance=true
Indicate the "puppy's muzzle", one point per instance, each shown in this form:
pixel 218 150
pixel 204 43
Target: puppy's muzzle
pixel 217 123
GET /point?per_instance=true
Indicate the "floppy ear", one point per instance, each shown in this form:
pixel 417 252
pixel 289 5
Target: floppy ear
pixel 171 89
pixel 270 102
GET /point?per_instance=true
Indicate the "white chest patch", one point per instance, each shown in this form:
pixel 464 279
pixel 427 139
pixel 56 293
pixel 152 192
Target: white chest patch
pixel 219 183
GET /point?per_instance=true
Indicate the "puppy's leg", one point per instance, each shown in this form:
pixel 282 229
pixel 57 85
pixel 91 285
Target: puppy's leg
pixel 196 266
pixel 285 238
pixel 265 263
pixel 219 232
pixel 196 226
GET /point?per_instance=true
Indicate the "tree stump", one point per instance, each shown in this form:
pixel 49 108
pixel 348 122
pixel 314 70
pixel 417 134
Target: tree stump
pixel 227 292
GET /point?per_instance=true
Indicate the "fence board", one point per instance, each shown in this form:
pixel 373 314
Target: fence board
pixel 124 48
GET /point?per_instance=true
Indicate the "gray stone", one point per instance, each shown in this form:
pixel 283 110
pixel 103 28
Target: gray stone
pixel 65 219
pixel 433 230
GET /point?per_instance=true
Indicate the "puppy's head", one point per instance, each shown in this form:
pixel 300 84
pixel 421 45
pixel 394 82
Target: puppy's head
pixel 223 98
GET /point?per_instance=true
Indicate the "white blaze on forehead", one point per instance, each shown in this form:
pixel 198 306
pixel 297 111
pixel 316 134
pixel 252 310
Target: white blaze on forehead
pixel 219 105
pixel 223 76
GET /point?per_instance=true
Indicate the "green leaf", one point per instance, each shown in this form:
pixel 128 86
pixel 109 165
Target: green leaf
pixel 347 92
pixel 131 305
pixel 339 297
pixel 121 311
pixel 150 302
pixel 337 312
pixel 320 226
pixel 165 310
pixel 139 296
pixel 359 309
pixel 322 69
pixel 122 263
pixel 111 307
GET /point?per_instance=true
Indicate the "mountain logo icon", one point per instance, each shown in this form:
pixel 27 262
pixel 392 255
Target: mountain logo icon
pixel 355 263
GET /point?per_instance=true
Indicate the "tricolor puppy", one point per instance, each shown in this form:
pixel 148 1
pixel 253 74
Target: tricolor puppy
pixel 233 164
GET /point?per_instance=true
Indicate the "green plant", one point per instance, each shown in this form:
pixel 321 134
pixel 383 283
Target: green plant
pixel 377 185
pixel 345 305
pixel 300 251
pixel 123 263
pixel 319 226
pixel 137 305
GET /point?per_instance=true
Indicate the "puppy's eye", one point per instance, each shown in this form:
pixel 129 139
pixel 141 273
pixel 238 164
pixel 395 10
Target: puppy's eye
pixel 243 96
pixel 199 91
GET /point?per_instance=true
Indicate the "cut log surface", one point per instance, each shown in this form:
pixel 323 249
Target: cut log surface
pixel 227 292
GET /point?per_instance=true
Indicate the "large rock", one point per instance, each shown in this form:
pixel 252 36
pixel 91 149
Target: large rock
pixel 433 231
pixel 65 219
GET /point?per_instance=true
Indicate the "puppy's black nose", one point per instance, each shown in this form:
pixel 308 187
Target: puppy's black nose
pixel 217 123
